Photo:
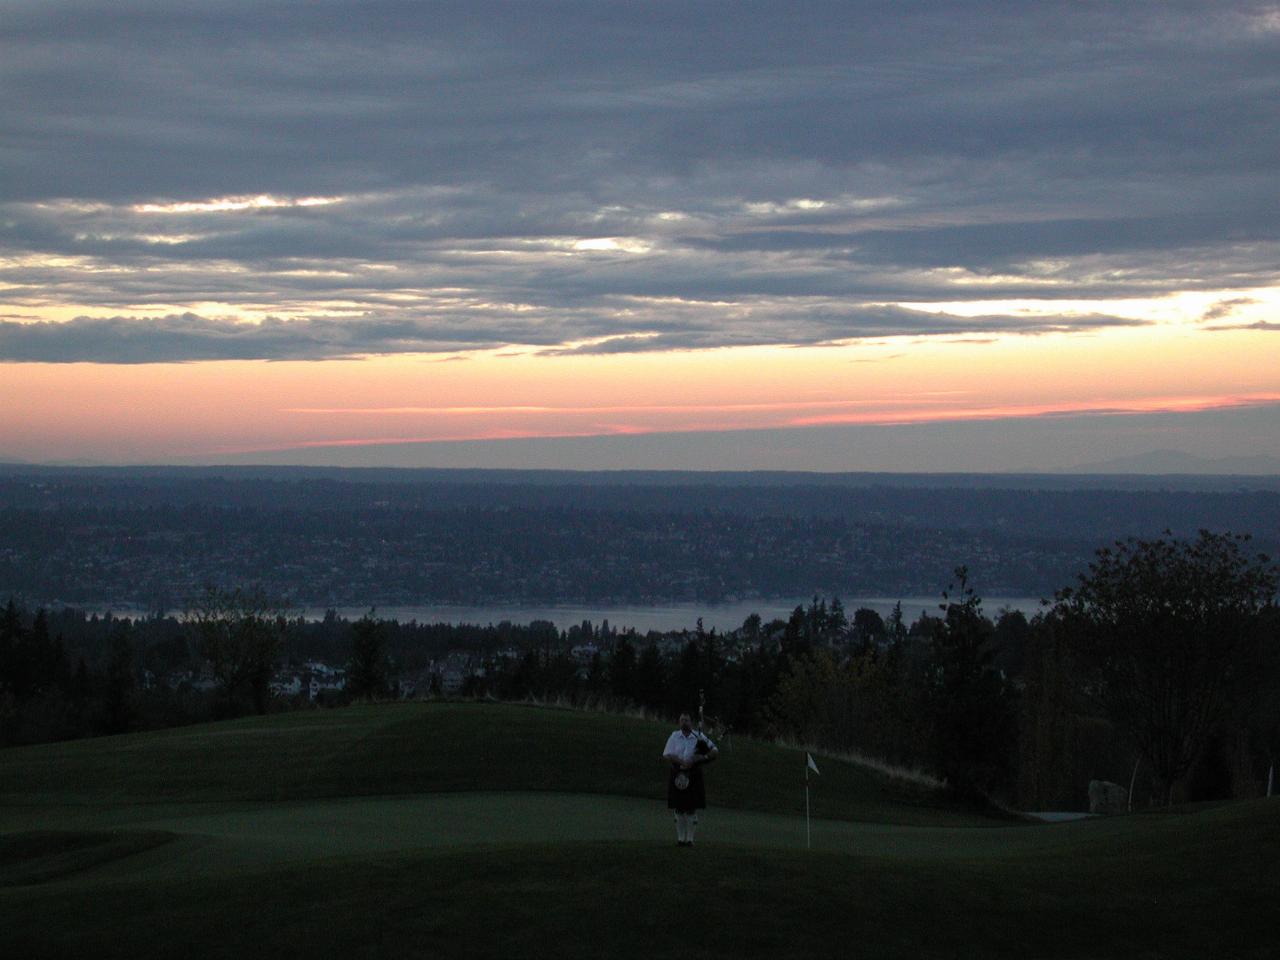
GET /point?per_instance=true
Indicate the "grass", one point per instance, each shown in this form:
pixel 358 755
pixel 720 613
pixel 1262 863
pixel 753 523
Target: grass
pixel 443 747
pixel 41 856
pixel 1124 895
pixel 476 830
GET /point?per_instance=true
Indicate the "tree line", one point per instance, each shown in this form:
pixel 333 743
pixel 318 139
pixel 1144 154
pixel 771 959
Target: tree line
pixel 1159 668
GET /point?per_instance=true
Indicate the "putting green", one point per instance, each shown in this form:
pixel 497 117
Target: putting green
pixel 214 836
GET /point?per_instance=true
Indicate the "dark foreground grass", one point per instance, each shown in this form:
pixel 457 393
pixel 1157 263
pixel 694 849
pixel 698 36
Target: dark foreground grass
pixel 1198 886
pixel 42 856
pixel 437 747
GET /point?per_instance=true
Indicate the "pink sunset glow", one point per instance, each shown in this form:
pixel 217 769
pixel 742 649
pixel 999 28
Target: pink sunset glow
pixel 159 411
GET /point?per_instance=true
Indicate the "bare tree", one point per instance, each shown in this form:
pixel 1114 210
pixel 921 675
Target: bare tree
pixel 1162 629
pixel 240 633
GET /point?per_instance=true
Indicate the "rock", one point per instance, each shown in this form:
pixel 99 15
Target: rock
pixel 1106 797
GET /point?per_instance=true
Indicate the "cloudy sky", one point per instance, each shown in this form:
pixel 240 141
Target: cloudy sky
pixel 895 235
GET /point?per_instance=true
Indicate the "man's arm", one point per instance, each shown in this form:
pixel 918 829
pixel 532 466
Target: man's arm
pixel 670 754
pixel 667 755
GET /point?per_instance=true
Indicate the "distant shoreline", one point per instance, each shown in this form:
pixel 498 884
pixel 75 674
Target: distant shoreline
pixel 659 617
pixel 1028 480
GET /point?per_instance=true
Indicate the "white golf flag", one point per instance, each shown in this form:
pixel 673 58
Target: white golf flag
pixel 812 766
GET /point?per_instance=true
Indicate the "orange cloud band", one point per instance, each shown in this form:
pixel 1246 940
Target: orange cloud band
pixel 927 412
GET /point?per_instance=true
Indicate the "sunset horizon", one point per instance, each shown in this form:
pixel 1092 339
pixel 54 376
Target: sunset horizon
pixel 832 237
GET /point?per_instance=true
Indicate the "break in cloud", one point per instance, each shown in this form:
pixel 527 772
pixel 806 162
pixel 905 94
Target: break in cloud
pixel 188 181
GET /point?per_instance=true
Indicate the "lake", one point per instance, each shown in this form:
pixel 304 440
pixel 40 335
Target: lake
pixel 676 616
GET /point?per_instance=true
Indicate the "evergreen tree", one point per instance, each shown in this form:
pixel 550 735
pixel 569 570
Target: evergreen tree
pixel 837 622
pixel 596 680
pixel 48 661
pixel 895 627
pixel 651 679
pixel 970 704
pixel 622 670
pixel 15 664
pixel 118 710
pixel 367 669
pixel 868 629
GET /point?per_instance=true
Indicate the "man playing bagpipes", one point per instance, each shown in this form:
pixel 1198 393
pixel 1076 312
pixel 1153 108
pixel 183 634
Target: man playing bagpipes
pixel 687 751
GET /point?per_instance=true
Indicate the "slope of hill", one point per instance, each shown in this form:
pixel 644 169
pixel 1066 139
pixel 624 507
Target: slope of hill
pixel 433 748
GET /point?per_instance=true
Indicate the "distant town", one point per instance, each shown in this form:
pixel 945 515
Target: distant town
pixel 122 541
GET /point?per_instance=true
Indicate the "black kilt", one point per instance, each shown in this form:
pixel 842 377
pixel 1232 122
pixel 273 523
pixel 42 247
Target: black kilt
pixel 691 798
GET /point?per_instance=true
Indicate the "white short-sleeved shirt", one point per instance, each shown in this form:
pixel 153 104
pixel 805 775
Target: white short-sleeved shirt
pixel 681 745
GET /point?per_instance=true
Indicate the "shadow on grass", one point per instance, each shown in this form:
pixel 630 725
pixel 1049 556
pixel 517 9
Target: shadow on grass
pixel 42 856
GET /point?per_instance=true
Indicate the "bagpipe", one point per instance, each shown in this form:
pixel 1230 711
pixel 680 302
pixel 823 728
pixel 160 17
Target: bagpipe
pixel 681 779
pixel 702 749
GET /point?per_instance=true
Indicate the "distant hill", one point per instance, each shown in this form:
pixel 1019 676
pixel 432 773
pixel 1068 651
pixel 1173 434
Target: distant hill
pixel 1175 462
pixel 1120 474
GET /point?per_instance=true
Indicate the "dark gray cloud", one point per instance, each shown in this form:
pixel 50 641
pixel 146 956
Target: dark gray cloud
pixel 1225 308
pixel 1256 325
pixel 189 337
pixel 618 173
pixel 819 328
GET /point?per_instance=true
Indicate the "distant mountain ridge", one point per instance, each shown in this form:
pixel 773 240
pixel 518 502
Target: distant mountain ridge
pixel 1177 462
pixel 1179 471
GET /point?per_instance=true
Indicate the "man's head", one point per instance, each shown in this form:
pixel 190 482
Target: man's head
pixel 686 724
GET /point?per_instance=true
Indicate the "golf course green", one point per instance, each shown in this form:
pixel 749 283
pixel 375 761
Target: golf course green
pixel 481 829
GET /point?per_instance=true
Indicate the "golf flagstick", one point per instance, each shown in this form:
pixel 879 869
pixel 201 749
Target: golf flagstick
pixel 809 765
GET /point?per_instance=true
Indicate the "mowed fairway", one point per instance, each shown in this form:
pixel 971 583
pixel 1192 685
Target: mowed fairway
pixel 485 830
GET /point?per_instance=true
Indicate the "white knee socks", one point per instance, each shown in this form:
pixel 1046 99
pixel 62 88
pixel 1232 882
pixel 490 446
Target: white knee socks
pixel 686 827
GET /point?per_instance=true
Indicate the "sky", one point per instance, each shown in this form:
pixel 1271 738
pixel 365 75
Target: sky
pixel 853 236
